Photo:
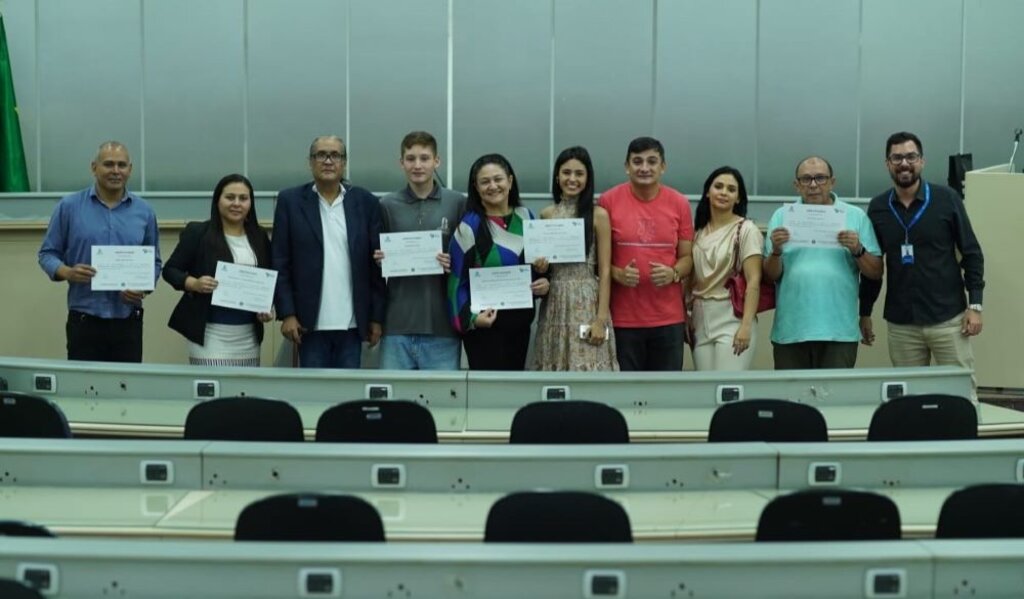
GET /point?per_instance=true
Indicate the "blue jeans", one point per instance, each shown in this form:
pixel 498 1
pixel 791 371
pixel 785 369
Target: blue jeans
pixel 331 349
pixel 420 352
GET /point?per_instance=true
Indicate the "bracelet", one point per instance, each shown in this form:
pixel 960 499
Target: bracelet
pixel 776 254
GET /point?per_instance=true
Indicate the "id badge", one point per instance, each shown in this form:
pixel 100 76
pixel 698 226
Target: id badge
pixel 907 253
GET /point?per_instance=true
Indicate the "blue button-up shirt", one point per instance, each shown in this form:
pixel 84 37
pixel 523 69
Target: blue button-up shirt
pixel 82 220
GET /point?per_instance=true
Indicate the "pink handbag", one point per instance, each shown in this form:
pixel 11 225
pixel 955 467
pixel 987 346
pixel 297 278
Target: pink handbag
pixel 737 283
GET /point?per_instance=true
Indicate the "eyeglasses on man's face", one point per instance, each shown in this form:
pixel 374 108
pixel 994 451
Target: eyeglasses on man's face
pixel 911 158
pixel 323 156
pixel 819 180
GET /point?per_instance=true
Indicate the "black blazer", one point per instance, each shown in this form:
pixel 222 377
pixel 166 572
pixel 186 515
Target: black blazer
pixel 298 255
pixel 194 258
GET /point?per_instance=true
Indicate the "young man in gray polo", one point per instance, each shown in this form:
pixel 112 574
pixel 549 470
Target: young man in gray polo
pixel 417 333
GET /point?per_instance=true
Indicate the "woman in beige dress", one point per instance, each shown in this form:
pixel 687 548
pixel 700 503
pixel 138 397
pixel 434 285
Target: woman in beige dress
pixel 721 340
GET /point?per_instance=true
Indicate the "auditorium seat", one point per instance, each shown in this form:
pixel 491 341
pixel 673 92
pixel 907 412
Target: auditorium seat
pixel 12 589
pixel 244 419
pixel 18 528
pixel 767 420
pixel 989 511
pixel 573 421
pixel 557 517
pixel 24 415
pixel 309 517
pixel 829 515
pixel 377 421
pixel 931 417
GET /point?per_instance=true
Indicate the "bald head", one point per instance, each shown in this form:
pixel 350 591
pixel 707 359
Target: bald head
pixel 815 158
pixel 814 180
pixel 110 146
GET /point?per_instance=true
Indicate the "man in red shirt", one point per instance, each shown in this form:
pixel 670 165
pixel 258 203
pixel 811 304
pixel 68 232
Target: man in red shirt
pixel 652 234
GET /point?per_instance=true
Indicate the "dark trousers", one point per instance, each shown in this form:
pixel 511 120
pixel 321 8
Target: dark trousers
pixel 104 339
pixel 331 349
pixel 497 348
pixel 653 348
pixel 815 354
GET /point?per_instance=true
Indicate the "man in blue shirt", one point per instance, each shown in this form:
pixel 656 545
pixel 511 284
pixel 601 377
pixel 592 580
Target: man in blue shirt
pixel 104 326
pixel 816 318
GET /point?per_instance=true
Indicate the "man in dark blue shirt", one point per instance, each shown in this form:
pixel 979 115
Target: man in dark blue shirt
pixel 102 325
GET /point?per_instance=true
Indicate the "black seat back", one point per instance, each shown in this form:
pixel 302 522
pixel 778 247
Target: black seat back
pixel 557 517
pixel 12 589
pixel 768 420
pixel 24 415
pixel 309 517
pixel 244 419
pixel 574 421
pixel 377 421
pixel 18 528
pixel 990 511
pixel 931 417
pixel 829 515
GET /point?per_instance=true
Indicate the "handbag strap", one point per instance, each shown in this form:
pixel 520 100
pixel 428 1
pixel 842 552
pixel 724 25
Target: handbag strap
pixel 736 249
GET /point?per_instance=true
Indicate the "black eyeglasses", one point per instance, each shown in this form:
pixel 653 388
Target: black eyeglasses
pixel 806 180
pixel 323 156
pixel 911 158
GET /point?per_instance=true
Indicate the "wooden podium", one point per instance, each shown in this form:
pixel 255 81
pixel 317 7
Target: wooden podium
pixel 995 204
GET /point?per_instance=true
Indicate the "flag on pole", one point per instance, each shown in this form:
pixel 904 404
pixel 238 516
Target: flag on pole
pixel 13 172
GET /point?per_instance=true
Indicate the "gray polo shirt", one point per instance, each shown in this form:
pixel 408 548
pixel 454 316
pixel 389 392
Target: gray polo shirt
pixel 417 305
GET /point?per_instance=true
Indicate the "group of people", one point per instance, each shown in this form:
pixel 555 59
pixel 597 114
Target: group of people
pixel 654 277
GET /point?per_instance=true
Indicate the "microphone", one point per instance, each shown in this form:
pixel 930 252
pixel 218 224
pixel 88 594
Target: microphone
pixel 1016 142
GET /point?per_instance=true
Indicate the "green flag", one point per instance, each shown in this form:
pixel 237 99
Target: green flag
pixel 13 172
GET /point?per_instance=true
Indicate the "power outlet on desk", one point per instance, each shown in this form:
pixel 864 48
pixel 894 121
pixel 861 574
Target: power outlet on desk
pixel 388 476
pixel 555 393
pixel 156 472
pixel 598 584
pixel 888 583
pixel 611 476
pixel 44 578
pixel 728 393
pixel 319 582
pixel 44 383
pixel 893 389
pixel 825 474
pixel 379 391
pixel 203 390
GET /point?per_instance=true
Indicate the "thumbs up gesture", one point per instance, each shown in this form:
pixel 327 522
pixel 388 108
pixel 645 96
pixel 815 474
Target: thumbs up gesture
pixel 629 276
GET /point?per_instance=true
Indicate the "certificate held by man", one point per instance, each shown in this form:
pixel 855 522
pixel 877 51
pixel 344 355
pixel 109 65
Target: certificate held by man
pixel 560 240
pixel 500 288
pixel 411 254
pixel 123 267
pixel 244 287
pixel 812 225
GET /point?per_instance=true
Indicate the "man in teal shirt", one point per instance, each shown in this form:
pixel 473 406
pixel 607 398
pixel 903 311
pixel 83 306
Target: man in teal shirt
pixel 816 316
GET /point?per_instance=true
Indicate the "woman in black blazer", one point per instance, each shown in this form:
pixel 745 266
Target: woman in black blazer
pixel 219 336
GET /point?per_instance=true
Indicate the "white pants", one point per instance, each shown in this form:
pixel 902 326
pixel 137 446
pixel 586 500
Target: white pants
pixel 715 326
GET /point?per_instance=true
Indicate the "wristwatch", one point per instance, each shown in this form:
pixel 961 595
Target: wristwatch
pixel 974 308
pixel 675 275
pixel 860 252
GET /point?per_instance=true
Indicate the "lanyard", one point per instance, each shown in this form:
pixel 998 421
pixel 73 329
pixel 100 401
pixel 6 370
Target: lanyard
pixel 917 217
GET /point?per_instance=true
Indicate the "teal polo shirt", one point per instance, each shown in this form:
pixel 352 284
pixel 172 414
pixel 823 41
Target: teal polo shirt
pixel 817 298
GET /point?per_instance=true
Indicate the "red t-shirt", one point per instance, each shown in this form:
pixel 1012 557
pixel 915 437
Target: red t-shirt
pixel 648 232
